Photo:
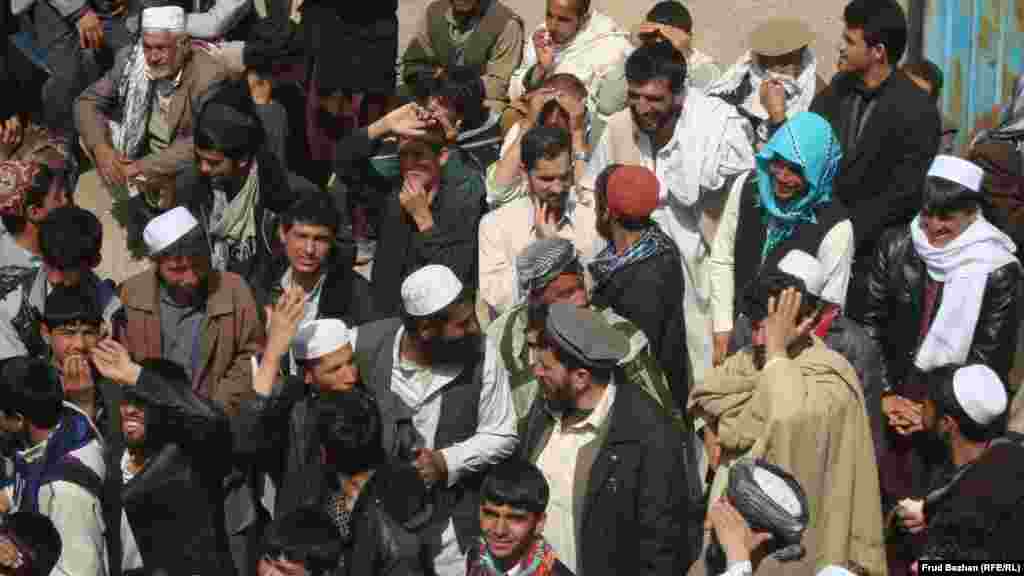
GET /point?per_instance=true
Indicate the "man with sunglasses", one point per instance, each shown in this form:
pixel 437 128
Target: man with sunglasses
pixel 69 239
pixel 429 211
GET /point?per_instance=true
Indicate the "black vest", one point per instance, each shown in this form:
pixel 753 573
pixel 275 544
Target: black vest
pixel 751 234
pixel 460 402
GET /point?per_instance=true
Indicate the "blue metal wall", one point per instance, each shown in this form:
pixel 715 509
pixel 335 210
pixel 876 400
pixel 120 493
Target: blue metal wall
pixel 978 45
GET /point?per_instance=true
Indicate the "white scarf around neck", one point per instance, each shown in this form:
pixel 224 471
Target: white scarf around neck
pixel 799 92
pixel 963 266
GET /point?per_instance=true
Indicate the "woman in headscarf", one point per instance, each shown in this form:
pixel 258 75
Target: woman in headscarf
pixel 785 203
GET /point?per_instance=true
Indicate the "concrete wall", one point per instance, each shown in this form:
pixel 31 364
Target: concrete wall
pixel 721 27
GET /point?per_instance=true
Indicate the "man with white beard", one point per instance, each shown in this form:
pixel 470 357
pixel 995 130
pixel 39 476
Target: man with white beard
pixel 153 88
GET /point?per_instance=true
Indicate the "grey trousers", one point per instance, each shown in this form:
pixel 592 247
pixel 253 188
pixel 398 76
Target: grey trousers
pixel 71 68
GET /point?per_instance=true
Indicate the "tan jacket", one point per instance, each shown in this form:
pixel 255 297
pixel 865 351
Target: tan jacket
pixel 100 102
pixel 806 415
pixel 231 333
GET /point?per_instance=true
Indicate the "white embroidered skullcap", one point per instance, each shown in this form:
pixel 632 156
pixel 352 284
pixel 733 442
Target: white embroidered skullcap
pixel 967 174
pixel 429 290
pixel 834 571
pixel 169 18
pixel 319 338
pixel 805 267
pixel 167 228
pixel 980 393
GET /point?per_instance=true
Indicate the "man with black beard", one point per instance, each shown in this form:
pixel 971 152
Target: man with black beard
pixel 974 512
pixel 429 362
pixel 204 320
pixel 694 145
pixel 614 460
pixel 181 310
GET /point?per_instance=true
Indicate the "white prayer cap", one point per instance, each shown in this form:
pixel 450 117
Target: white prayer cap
pixel 805 267
pixel 167 228
pixel 967 174
pixel 169 18
pixel 319 338
pixel 980 393
pixel 429 290
pixel 834 571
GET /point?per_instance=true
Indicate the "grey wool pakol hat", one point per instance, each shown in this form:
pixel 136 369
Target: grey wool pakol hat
pixel 585 336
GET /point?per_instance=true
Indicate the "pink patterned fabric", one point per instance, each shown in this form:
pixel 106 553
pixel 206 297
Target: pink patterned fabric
pixel 15 180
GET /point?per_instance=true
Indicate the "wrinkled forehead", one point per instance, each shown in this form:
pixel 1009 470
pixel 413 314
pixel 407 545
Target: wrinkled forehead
pixel 159 38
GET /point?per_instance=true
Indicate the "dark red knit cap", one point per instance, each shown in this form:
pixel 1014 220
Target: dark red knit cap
pixel 632 193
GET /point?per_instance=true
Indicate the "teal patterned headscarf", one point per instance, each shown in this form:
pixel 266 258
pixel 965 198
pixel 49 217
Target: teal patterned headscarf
pixel 806 140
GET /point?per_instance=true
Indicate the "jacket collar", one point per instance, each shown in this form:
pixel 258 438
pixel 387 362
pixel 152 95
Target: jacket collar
pixel 147 295
pixel 622 429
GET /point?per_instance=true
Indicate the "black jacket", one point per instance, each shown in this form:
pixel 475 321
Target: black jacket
pixel 278 190
pixel 279 433
pixel 880 180
pixel 175 504
pixel 895 299
pixel 386 540
pixel 649 293
pixel 345 295
pixel 20 79
pixel 981 516
pixel 401 248
pixel 634 515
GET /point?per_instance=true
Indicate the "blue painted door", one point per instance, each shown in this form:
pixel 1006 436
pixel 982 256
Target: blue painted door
pixel 978 45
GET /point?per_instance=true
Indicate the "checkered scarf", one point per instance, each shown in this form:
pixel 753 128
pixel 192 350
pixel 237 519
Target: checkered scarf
pixel 543 261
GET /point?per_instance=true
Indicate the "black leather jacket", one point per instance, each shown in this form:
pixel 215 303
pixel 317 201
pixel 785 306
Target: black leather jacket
pixel 279 432
pixel 175 504
pixel 388 536
pixel 895 299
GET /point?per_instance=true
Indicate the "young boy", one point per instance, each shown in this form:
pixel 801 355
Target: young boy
pixel 513 500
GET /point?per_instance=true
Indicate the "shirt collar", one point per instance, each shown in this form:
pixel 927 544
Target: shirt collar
pixel 673 143
pixel 869 94
pixel 442 374
pixel 469 26
pixel 597 418
pixel 568 215
pixel 314 294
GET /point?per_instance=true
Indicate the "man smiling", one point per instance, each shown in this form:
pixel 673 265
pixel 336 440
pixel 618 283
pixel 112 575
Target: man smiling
pixel 942 290
pixel 786 203
pixel 513 501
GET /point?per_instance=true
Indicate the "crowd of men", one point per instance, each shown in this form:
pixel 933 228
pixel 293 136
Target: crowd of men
pixel 569 300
